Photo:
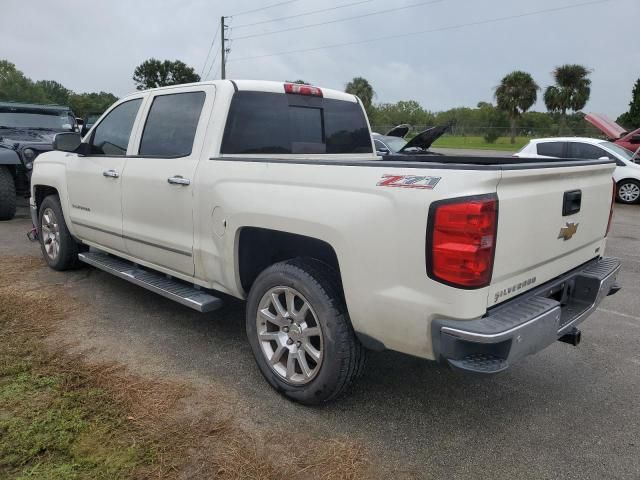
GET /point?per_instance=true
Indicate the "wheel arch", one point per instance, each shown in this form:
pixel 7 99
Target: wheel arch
pixel 41 192
pixel 258 248
pixel 628 179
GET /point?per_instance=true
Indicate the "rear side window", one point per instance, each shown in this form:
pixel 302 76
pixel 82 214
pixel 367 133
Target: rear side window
pixel 171 125
pixel 586 151
pixel 275 123
pixel 551 149
pixel 111 136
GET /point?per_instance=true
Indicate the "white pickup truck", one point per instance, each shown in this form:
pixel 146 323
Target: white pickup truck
pixel 273 193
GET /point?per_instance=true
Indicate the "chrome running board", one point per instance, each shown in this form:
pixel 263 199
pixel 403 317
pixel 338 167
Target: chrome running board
pixel 168 287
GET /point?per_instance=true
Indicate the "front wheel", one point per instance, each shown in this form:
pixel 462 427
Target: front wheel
pixel 300 332
pixel 59 248
pixel 628 191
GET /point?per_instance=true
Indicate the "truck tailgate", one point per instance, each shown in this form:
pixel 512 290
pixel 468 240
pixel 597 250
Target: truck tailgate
pixel 535 241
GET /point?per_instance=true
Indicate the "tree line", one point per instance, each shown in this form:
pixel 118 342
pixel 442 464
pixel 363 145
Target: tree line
pixel 16 87
pixel 514 97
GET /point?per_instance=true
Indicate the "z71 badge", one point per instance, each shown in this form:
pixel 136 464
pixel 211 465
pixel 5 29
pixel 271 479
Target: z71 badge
pixel 408 181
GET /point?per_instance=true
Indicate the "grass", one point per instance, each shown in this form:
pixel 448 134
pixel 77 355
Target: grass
pixel 62 417
pixel 56 419
pixel 479 143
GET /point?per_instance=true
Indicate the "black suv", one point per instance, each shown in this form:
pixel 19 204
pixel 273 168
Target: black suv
pixel 25 132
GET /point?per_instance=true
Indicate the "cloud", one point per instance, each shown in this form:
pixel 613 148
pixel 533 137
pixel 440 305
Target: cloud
pixel 91 46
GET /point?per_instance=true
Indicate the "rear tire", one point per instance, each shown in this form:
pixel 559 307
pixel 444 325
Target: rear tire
pixel 628 191
pixel 309 326
pixel 59 249
pixel 7 194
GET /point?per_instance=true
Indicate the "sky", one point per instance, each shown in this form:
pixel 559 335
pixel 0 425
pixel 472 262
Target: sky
pixel 457 60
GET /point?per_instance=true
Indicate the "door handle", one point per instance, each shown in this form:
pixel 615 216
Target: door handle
pixel 179 180
pixel 110 174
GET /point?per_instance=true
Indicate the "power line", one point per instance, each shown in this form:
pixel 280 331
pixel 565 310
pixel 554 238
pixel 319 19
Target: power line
pixel 302 14
pixel 213 62
pixel 441 29
pixel 378 12
pixel 213 41
pixel 263 8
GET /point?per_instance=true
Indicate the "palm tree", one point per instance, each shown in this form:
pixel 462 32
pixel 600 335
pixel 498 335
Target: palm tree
pixel 362 89
pixel 515 95
pixel 571 91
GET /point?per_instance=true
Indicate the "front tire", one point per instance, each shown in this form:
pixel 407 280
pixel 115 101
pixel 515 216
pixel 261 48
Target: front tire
pixel 59 248
pixel 628 191
pixel 7 194
pixel 300 333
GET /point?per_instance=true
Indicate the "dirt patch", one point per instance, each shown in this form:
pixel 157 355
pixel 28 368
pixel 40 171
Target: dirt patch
pixel 62 416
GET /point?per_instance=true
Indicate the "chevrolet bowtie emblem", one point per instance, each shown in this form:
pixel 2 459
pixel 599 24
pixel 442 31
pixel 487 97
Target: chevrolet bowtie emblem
pixel 568 231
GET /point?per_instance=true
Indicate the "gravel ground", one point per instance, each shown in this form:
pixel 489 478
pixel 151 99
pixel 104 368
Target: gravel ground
pixel 564 413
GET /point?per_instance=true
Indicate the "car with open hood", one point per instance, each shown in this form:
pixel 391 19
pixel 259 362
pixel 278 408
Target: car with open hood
pixel 615 132
pixel 26 131
pixel 393 141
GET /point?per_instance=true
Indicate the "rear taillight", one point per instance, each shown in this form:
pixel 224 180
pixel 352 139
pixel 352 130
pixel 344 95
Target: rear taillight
pixel 300 89
pixel 461 240
pixel 613 201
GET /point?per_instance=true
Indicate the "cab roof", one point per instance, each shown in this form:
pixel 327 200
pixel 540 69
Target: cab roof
pixel 256 86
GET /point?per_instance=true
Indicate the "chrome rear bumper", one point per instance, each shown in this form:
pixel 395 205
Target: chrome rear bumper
pixel 528 323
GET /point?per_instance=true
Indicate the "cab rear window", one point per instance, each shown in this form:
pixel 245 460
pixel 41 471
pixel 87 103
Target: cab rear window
pixel 275 123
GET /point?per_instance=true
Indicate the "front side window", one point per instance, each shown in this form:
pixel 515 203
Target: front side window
pixel 379 145
pixel 586 151
pixel 112 134
pixel 171 125
pixel 551 149
pixel 275 123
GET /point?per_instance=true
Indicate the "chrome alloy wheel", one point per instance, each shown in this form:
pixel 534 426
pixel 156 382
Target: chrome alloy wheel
pixel 50 233
pixel 290 335
pixel 629 192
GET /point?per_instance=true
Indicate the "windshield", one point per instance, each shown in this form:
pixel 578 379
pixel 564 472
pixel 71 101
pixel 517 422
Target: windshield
pixel 50 120
pixel 395 143
pixel 620 151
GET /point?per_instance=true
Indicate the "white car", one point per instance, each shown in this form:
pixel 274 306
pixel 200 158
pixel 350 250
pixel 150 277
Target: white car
pixel 626 174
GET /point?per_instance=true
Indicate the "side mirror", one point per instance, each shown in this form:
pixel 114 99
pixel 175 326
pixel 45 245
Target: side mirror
pixel 67 142
pixel 382 151
pixel 635 139
pixel 604 159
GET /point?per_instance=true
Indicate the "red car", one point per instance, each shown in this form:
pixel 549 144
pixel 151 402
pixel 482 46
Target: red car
pixel 614 132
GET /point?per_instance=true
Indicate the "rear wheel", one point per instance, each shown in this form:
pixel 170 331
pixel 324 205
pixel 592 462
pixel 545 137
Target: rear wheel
pixel 300 332
pixel 628 191
pixel 59 248
pixel 7 194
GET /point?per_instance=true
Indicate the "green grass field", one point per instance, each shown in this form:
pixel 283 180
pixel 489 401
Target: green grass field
pixel 503 143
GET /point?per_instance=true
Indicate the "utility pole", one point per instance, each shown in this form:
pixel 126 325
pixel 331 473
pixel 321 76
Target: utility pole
pixel 222 48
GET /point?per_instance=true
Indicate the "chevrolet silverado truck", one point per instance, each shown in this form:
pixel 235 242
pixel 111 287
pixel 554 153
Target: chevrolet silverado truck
pixel 273 193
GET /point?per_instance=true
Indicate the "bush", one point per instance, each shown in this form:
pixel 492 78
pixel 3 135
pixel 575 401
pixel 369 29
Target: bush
pixel 491 135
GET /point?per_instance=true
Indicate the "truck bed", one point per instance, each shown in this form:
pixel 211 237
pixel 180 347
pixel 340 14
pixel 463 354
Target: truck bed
pixel 427 161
